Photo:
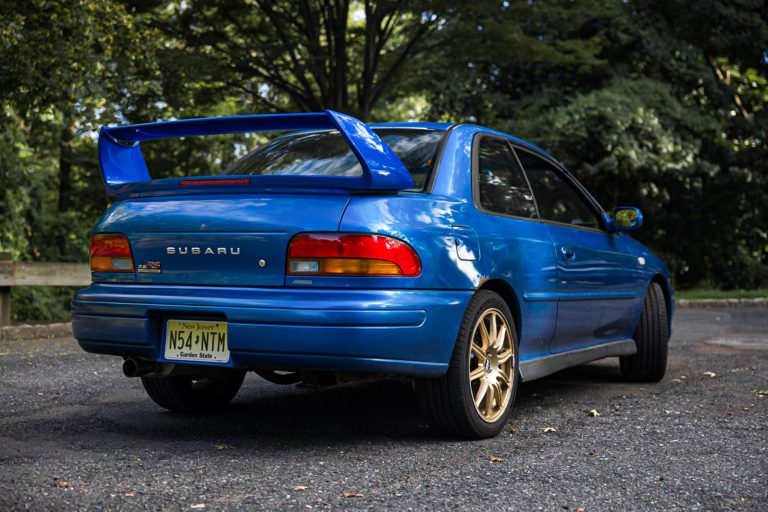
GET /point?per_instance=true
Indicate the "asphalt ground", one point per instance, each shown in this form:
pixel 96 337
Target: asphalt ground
pixel 76 434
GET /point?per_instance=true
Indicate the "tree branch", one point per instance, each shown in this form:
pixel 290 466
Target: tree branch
pixel 395 67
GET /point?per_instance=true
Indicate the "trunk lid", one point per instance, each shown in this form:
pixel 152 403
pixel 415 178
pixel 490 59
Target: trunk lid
pixel 232 239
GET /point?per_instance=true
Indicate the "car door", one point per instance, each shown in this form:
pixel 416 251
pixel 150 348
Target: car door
pixel 597 290
pixel 515 245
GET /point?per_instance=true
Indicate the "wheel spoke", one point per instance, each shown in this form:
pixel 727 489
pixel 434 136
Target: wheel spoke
pixel 490 396
pixel 484 336
pixel 504 356
pixel 502 379
pixel 479 354
pixel 500 338
pixel 497 394
pixel 482 391
pixel 494 328
pixel 476 373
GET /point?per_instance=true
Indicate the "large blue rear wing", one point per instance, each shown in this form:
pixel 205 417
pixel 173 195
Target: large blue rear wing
pixel 123 165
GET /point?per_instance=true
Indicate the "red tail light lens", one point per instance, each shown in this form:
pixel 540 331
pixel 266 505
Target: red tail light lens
pixel 111 253
pixel 319 254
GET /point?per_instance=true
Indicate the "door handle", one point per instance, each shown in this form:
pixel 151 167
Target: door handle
pixel 568 252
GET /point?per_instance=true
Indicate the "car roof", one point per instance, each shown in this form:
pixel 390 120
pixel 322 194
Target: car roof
pixel 517 140
pixel 445 126
pixel 412 124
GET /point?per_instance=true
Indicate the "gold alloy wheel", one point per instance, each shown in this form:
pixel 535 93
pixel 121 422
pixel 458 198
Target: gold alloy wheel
pixel 491 364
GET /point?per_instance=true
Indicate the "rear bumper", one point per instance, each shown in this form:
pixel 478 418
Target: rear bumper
pixel 401 332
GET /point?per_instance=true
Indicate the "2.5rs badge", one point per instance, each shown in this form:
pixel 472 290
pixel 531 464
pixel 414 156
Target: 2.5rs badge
pixel 150 267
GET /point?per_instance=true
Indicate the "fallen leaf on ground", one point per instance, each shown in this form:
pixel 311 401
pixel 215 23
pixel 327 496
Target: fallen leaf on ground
pixel 494 458
pixel 300 487
pixel 351 495
pixel 62 483
pixel 546 430
pixel 198 506
pixel 223 446
pixel 683 377
pixel 711 375
pixel 676 380
pixel 592 412
pixel 128 494
pixel 581 509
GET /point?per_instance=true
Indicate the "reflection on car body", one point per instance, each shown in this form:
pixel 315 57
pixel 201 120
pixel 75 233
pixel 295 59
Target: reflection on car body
pixel 459 256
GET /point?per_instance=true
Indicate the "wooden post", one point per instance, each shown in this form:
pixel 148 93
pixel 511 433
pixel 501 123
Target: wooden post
pixel 5 296
pixel 5 305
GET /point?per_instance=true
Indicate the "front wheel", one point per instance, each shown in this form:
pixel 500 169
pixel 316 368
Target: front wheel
pixel 203 393
pixel 652 338
pixel 475 396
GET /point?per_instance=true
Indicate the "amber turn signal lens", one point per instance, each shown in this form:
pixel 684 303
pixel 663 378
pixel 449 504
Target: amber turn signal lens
pixel 352 266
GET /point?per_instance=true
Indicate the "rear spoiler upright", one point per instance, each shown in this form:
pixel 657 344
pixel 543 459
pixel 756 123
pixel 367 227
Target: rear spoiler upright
pixel 122 163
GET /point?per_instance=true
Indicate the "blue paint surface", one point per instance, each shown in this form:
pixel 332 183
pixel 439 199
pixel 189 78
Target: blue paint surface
pixel 569 287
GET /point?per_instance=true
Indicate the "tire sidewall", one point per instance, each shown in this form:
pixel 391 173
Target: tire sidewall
pixel 483 301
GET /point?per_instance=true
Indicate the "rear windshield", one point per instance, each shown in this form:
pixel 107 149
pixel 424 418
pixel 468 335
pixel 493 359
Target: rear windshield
pixel 327 154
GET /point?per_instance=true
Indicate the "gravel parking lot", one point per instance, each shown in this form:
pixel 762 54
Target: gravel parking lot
pixel 76 434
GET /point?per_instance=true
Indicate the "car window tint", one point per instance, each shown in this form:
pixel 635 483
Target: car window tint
pixel 307 153
pixel 325 153
pixel 556 198
pixel 501 184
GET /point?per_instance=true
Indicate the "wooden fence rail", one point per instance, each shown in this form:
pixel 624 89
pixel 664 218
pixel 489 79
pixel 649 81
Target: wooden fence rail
pixel 35 273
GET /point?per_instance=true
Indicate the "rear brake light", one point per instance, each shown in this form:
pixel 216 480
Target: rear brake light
pixel 351 255
pixel 111 253
pixel 215 182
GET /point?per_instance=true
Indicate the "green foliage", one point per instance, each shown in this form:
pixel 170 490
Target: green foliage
pixel 646 106
pixel 306 55
pixel 713 293
pixel 656 104
pixel 41 303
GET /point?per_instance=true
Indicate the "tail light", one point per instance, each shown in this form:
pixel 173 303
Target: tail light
pixel 111 253
pixel 321 254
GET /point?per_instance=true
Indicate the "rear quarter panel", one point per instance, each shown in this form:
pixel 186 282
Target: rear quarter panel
pixel 440 225
pixel 426 223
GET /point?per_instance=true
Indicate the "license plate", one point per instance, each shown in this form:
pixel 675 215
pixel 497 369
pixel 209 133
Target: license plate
pixel 196 340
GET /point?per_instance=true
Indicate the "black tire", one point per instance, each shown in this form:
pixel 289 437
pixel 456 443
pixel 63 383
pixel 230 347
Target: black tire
pixel 448 401
pixel 652 338
pixel 195 394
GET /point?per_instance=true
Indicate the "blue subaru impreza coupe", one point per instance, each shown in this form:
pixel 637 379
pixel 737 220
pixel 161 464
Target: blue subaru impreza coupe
pixel 456 255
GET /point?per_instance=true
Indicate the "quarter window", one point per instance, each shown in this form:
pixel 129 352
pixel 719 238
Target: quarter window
pixel 501 183
pixel 556 198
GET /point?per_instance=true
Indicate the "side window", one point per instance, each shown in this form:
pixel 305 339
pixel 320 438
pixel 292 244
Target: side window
pixel 556 198
pixel 502 187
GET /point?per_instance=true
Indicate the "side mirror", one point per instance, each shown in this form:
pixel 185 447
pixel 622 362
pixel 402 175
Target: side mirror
pixel 627 218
